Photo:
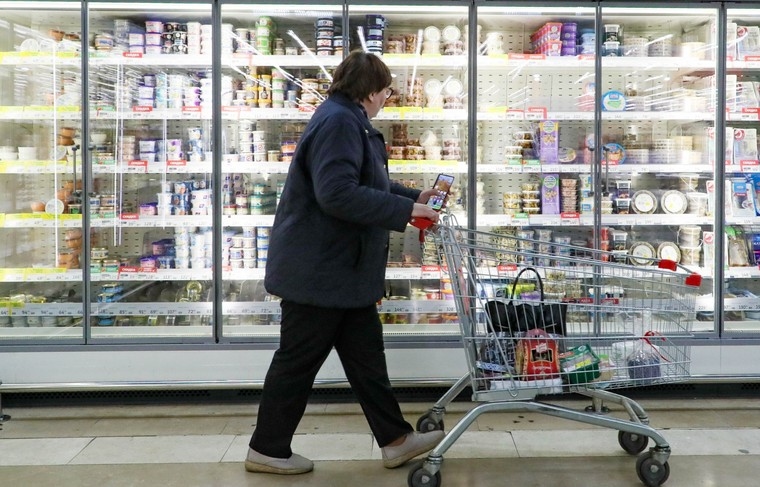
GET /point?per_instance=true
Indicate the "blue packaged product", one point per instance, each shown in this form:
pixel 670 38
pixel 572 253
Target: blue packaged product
pixel 755 180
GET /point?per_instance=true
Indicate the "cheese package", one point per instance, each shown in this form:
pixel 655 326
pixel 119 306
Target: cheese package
pixel 745 146
pixel 748 45
pixel 740 200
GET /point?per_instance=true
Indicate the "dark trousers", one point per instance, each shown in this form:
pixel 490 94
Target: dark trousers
pixel 307 335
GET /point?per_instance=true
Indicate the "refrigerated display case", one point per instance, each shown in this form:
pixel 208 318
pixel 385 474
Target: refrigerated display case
pixel 40 211
pixel 149 195
pixel 274 73
pixel 741 181
pixel 658 104
pixel 156 238
pixel 640 191
pixel 426 131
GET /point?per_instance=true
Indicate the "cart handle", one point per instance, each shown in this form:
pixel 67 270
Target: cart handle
pixel 423 224
pixel 692 279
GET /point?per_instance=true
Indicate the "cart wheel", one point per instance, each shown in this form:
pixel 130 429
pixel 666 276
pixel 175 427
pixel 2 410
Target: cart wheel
pixel 592 409
pixel 419 477
pixel 632 443
pixel 426 424
pixel 651 471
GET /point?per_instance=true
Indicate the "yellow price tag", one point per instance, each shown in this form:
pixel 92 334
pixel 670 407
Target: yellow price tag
pixel 501 109
pixel 43 271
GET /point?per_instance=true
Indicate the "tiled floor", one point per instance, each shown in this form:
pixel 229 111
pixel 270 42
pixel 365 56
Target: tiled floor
pixel 716 443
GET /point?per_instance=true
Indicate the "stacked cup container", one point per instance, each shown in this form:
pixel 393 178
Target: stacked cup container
pixel 323 36
pixel 374 33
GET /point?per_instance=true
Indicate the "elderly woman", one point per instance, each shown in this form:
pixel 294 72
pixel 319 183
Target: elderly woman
pixel 328 251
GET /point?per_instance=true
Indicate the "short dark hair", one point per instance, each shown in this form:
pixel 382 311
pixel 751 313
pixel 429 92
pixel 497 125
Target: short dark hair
pixel 359 75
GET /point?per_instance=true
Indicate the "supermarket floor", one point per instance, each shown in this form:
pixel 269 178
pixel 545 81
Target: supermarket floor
pixel 715 442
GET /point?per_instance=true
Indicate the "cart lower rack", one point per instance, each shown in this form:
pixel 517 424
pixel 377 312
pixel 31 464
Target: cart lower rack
pixel 542 317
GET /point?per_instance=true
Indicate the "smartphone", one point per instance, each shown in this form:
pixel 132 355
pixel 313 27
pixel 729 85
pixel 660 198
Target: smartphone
pixel 443 185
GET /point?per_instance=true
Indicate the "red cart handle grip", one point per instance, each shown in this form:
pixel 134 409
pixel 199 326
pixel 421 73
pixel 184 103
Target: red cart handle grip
pixel 423 224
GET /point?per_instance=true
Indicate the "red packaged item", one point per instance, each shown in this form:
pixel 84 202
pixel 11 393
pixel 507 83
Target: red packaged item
pixel 537 356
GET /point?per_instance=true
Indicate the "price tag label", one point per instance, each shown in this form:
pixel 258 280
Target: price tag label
pixel 231 113
pixel 520 219
pixel 412 113
pixel 391 115
pixel 191 113
pixel 176 166
pixel 132 55
pixel 430 272
pixel 506 269
pixel 394 273
pixel 531 166
pixel 570 219
pixel 516 56
pixel 749 165
pixel 749 114
pixel 502 221
pixel 515 115
pixel 136 166
pixel 535 113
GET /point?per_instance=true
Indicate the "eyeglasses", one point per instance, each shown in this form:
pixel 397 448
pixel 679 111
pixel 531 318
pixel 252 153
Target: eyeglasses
pixel 389 92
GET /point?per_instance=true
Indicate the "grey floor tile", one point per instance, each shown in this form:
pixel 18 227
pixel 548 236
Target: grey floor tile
pixel 714 442
pixel 165 426
pixel 155 449
pixel 47 428
pixel 38 451
pixel 567 443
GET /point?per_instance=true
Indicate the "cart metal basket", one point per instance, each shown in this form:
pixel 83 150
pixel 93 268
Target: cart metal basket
pixel 540 316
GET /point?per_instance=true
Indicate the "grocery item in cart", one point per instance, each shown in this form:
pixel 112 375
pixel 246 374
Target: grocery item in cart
pixel 537 356
pixel 644 363
pixel 580 365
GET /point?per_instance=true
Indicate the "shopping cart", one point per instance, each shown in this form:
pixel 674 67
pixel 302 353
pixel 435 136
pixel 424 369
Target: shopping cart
pixel 540 316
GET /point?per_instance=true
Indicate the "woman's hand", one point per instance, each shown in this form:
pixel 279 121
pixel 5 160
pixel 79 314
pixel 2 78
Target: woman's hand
pixel 421 210
pixel 426 194
pixel 429 193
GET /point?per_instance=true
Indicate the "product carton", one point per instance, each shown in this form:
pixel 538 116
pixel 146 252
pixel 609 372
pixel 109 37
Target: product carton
pixel 740 200
pixel 748 42
pixel 550 202
pixel 710 187
pixel 548 132
pixel 745 146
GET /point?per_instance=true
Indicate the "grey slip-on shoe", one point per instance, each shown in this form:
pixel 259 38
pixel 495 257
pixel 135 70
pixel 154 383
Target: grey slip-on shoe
pixel 416 443
pixel 296 464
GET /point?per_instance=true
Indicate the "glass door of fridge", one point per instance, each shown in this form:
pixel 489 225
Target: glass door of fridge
pixel 535 133
pixel 277 61
pixel 151 153
pixel 658 107
pixel 425 127
pixel 741 182
pixel 40 176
